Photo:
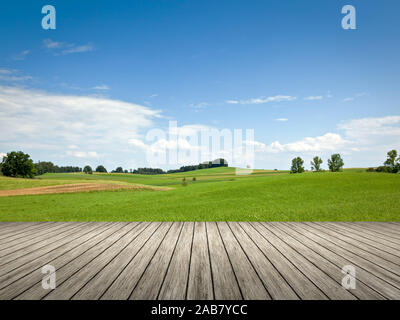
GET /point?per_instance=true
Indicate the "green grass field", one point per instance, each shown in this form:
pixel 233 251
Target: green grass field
pixel 217 195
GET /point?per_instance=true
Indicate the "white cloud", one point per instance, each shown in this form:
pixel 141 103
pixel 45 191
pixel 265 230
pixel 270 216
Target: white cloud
pixel 34 119
pixel 13 76
pixel 63 48
pixel 260 100
pixel 21 56
pixel 357 95
pixel 310 98
pixel 137 143
pixel 369 131
pixel 326 142
pixel 2 155
pixel 282 119
pixel 83 154
pixel 154 95
pixel 200 105
pixel 101 87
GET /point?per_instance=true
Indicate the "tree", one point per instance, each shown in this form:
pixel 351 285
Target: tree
pixel 101 168
pixel 316 164
pixel 88 170
pixel 335 163
pixel 297 165
pixel 119 170
pixel 18 164
pixel 392 162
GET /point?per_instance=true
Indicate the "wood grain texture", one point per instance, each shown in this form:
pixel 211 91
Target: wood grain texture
pixel 200 260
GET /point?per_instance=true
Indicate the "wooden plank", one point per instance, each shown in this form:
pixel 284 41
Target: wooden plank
pixel 75 265
pixel 150 283
pixel 10 225
pixel 21 229
pixel 330 287
pixel 126 281
pixel 351 254
pixel 353 229
pixel 384 225
pixel 250 284
pixel 95 288
pixel 325 265
pixel 303 287
pixel 224 279
pixel 29 274
pixel 7 227
pixel 44 245
pixel 372 246
pixel 355 247
pixel 269 274
pixel 200 280
pixel 367 280
pixel 68 288
pixel 374 226
pixel 176 279
pixel 33 238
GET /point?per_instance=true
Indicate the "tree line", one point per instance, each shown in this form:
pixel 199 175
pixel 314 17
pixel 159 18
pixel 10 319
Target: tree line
pixel 19 164
pixel 335 164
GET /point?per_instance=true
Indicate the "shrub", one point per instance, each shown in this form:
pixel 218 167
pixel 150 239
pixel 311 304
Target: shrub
pixel 194 179
pixel 383 169
pixel 371 170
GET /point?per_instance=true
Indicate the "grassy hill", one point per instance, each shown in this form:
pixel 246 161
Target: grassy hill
pixel 216 195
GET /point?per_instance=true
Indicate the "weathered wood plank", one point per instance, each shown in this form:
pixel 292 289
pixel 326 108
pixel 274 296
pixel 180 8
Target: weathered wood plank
pixel 27 275
pixel 150 283
pixel 357 248
pixel 69 269
pixel 350 253
pixel 250 284
pixel 186 260
pixel 311 241
pixel 224 279
pixel 351 228
pixel 45 245
pixel 200 280
pixel 275 283
pixel 303 287
pixel 33 238
pixel 176 279
pixel 25 228
pixel 96 287
pixel 331 288
pixel 393 233
pixel 372 246
pixel 122 287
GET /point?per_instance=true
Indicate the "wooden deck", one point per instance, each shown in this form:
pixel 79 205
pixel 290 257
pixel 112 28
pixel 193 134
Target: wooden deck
pixel 186 260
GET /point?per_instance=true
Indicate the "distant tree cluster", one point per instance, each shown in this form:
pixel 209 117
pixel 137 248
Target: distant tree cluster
pixel 209 164
pixel 43 167
pixel 335 164
pixel 148 171
pixel 391 165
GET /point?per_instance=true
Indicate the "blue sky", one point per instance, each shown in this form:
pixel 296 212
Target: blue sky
pixel 89 91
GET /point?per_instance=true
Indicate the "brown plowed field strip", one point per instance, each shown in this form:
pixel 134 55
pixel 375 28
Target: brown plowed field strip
pixel 68 188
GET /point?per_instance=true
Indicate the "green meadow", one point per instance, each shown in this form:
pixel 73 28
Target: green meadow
pixel 216 195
